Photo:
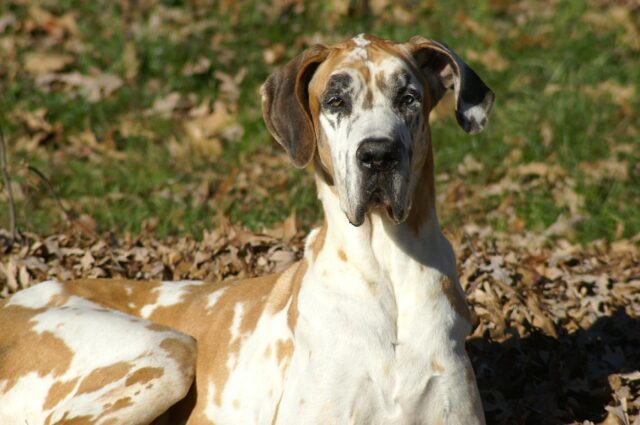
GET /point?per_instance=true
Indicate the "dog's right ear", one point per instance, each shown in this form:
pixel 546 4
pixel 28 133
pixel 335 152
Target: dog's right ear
pixel 285 105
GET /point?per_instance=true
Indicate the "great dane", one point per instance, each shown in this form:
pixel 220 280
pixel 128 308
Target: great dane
pixel 368 328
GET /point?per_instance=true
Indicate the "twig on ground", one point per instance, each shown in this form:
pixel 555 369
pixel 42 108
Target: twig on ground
pixel 15 234
pixel 68 214
pixel 54 195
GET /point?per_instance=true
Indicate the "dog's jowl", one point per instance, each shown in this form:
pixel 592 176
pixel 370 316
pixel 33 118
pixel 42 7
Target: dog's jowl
pixel 368 328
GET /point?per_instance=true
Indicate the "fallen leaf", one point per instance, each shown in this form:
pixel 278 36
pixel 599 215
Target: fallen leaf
pixel 40 63
pixel 165 105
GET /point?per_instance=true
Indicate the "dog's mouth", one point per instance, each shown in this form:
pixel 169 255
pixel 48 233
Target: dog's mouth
pixel 380 193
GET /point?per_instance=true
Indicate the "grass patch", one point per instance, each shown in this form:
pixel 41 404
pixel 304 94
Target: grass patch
pixel 565 75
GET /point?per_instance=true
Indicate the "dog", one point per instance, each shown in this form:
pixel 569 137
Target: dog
pixel 368 328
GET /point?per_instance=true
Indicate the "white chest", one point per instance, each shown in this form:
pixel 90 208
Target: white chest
pixel 366 354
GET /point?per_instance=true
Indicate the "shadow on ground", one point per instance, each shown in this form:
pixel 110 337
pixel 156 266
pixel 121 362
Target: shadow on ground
pixel 542 380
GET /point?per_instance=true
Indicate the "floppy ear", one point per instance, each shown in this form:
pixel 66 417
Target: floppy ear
pixel 285 105
pixel 444 70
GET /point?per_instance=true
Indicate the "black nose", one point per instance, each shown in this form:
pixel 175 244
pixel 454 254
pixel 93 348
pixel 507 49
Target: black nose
pixel 378 154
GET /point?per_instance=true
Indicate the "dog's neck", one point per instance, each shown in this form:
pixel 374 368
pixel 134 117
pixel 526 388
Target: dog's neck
pixel 410 267
pixel 377 245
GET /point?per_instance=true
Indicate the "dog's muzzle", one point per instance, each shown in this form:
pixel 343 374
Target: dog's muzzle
pixel 382 163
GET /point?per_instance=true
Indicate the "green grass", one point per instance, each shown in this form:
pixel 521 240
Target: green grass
pixel 556 63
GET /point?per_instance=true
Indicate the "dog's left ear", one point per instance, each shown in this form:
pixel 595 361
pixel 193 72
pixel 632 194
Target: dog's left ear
pixel 285 105
pixel 444 70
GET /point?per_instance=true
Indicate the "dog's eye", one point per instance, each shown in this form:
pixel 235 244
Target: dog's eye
pixel 407 99
pixel 335 102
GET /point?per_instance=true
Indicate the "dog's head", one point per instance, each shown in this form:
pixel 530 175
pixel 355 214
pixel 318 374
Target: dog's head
pixel 362 108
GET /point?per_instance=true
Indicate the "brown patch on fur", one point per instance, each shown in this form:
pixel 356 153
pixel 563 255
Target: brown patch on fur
pixel 118 405
pixel 58 392
pixel 156 327
pixel 323 162
pixel 368 100
pixel 318 241
pixel 436 367
pixel 236 404
pixel 284 349
pixel 77 420
pixel 342 255
pixel 360 67
pixel 100 377
pixel 455 298
pixel 251 316
pixel 381 81
pixel 144 375
pixel 281 292
pixel 128 296
pixel 58 300
pixel 183 354
pixel 17 342
pixel 292 314
pixel 275 415
pixel 423 196
pixel 380 49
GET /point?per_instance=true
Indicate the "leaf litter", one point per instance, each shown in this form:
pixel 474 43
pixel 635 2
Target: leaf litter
pixel 556 326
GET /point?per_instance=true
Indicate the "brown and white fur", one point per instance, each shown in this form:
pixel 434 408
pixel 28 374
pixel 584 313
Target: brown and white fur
pixel 368 328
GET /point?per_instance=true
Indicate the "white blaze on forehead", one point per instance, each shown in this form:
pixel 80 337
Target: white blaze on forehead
pixel 169 293
pixel 38 296
pixel 361 41
pixel 360 52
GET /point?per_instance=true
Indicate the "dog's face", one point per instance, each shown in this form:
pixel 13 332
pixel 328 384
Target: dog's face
pixel 362 108
pixel 370 110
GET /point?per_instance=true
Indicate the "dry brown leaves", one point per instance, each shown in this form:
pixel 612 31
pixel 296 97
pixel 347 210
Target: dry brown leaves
pixel 228 251
pixel 557 326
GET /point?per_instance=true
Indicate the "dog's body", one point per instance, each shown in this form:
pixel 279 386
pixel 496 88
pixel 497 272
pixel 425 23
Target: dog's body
pixel 368 328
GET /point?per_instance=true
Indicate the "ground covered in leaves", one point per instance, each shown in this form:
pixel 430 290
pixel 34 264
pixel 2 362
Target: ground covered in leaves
pixel 556 326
